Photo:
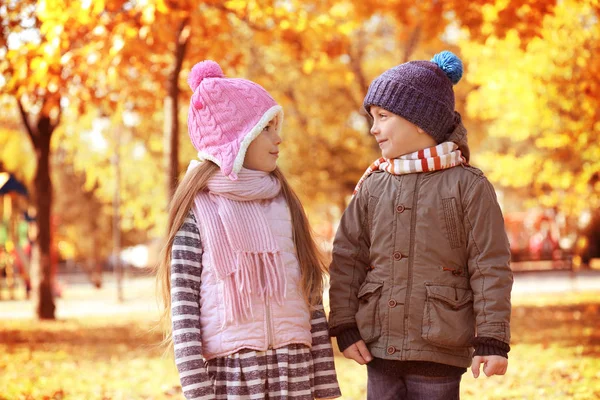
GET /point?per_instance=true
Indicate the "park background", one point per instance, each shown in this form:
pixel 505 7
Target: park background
pixel 93 109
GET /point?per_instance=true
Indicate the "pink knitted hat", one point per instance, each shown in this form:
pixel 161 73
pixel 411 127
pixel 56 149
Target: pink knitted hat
pixel 226 115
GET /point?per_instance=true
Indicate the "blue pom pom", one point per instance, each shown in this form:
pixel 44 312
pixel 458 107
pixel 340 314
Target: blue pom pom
pixel 450 64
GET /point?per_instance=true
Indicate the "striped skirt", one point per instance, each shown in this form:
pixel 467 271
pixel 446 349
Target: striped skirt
pixel 284 373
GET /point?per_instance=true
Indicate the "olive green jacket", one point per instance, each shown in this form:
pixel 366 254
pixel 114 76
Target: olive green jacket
pixel 421 265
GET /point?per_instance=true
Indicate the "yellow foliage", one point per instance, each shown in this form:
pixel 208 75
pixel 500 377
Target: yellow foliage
pixel 237 5
pixel 316 58
pixel 308 66
pixel 540 107
pixel 16 153
pixel 148 14
pixel 162 7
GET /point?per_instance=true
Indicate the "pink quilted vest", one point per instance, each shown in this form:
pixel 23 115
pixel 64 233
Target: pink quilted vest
pixel 273 325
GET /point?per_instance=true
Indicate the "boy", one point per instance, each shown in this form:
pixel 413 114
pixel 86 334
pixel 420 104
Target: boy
pixel 420 272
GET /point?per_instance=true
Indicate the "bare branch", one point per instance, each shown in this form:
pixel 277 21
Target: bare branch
pixel 356 58
pixel 357 104
pixel 243 18
pixel 183 36
pixel 57 120
pixel 289 92
pixel 28 128
pixel 412 42
pixel 356 66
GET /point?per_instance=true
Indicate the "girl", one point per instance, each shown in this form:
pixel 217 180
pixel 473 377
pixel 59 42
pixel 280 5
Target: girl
pixel 241 275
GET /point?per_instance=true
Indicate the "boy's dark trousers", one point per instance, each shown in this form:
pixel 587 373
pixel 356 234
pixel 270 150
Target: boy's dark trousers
pixel 411 387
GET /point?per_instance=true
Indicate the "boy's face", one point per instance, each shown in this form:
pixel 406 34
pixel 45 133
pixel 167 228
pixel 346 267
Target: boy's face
pixel 263 152
pixel 397 136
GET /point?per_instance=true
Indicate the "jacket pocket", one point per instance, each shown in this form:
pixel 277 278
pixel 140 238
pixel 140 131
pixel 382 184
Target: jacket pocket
pixel 448 318
pixel 452 222
pixel 367 316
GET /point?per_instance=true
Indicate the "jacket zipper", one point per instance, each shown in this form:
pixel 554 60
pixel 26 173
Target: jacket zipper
pixel 411 257
pixel 268 317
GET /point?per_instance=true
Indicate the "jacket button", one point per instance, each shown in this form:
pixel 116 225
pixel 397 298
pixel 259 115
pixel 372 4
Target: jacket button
pixel 400 209
pixel 392 303
pixel 391 350
pixel 397 256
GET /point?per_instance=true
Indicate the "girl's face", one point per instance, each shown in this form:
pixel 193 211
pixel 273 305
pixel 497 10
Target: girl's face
pixel 397 136
pixel 263 152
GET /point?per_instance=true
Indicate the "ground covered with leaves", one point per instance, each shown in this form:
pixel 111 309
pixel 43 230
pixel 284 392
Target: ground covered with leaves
pixel 555 355
pixel 91 359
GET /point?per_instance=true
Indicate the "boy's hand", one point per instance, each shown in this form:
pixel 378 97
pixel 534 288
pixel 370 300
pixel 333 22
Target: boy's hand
pixel 358 352
pixel 492 365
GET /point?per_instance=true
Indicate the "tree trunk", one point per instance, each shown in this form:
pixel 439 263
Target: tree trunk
pixel 116 228
pixel 43 265
pixel 171 141
pixel 171 108
pixel 43 203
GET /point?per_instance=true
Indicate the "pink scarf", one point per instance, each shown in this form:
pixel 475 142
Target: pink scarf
pixel 240 242
pixel 444 155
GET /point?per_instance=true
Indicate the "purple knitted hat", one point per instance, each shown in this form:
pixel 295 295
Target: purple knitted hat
pixel 420 92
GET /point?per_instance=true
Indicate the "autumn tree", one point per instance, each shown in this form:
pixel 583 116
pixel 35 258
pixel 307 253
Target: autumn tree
pixel 541 108
pixel 45 47
pixel 322 78
pixel 317 59
pixel 167 35
pixel 103 60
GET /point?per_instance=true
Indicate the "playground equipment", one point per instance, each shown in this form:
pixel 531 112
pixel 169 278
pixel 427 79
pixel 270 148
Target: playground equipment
pixel 14 237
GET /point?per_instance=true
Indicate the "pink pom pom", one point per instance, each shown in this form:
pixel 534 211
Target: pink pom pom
pixel 197 102
pixel 204 69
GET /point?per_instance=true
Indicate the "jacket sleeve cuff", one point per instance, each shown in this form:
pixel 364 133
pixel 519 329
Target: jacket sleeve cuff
pixel 347 338
pixel 485 346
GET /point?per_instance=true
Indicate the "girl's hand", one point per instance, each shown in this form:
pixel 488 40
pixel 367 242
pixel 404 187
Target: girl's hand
pixel 358 352
pixel 492 365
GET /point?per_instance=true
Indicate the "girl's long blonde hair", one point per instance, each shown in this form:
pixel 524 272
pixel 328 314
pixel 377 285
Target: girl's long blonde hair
pixel 312 265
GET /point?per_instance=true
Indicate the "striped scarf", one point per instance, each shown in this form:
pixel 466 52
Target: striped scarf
pixel 444 155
